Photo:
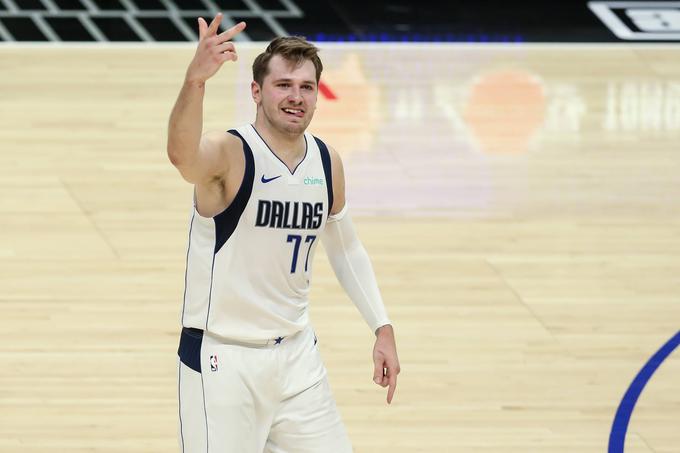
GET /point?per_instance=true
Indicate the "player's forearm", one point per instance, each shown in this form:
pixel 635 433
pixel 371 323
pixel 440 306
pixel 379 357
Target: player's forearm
pixel 354 271
pixel 186 123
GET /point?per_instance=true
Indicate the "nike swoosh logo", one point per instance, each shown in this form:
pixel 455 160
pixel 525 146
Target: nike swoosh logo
pixel 266 180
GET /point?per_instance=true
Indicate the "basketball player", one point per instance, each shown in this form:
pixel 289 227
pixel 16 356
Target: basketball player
pixel 250 375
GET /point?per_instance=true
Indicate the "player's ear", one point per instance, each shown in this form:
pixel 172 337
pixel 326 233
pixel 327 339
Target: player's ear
pixel 255 91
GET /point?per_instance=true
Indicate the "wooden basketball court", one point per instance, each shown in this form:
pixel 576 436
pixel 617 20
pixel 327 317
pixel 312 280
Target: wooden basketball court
pixel 521 205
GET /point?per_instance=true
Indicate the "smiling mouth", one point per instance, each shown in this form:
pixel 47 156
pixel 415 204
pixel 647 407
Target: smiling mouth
pixel 299 113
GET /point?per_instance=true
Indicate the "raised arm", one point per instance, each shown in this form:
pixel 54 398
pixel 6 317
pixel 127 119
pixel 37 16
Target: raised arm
pixel 196 156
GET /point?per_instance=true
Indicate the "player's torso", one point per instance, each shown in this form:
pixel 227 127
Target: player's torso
pixel 261 247
pixel 286 212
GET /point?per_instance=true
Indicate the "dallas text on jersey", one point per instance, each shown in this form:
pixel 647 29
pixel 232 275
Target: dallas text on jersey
pixel 289 214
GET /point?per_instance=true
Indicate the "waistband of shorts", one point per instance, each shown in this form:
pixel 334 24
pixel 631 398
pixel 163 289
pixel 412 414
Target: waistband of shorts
pixel 269 342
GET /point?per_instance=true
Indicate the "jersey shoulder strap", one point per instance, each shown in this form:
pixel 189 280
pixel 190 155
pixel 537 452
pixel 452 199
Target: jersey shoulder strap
pixel 327 170
pixel 227 220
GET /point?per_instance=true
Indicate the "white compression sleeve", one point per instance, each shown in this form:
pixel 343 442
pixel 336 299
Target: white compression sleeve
pixel 352 266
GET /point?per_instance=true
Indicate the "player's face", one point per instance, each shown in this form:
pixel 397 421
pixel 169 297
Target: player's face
pixel 287 97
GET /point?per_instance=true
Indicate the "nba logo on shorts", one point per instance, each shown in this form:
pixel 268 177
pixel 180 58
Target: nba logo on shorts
pixel 213 363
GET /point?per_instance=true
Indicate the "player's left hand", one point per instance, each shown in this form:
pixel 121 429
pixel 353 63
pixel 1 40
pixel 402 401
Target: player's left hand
pixel 385 360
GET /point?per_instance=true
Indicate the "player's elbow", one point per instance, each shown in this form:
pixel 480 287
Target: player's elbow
pixel 180 156
pixel 183 165
pixel 175 158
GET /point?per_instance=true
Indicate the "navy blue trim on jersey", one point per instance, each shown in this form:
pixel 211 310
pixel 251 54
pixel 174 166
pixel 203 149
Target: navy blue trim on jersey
pixel 327 170
pixel 212 274
pixel 227 220
pixel 186 269
pixel 272 151
pixel 189 350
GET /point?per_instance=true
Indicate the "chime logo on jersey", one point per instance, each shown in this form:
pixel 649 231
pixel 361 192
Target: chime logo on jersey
pixel 289 214
pixel 213 363
pixel 313 181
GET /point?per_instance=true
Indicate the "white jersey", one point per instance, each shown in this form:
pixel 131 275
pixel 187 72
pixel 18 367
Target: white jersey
pixel 249 268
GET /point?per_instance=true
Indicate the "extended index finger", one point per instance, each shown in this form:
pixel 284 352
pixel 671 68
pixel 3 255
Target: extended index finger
pixel 393 386
pixel 231 32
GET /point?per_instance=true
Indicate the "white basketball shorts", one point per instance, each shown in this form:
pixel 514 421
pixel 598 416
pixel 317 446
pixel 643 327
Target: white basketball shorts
pixel 246 398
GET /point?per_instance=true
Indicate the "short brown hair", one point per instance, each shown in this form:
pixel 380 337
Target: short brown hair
pixel 295 49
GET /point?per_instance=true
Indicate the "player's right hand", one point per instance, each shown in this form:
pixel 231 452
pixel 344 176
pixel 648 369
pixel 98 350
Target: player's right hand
pixel 213 49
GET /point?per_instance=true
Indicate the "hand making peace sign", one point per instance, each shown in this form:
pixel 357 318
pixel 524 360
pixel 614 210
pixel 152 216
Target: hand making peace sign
pixel 213 49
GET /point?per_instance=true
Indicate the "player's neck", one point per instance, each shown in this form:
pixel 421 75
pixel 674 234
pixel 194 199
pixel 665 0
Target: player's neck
pixel 287 146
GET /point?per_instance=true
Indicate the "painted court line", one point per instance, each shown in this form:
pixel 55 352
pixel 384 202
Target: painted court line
pixel 617 437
